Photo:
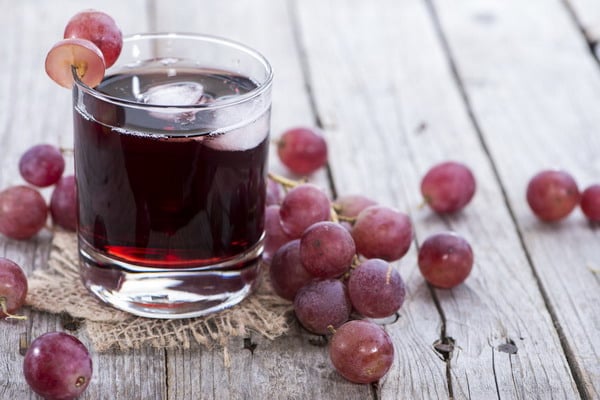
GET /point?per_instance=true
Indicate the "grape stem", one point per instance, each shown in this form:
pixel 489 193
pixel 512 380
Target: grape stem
pixel 5 311
pixel 344 218
pixel 334 216
pixel 355 262
pixel 331 329
pixel 285 182
pixel 290 183
pixel 423 203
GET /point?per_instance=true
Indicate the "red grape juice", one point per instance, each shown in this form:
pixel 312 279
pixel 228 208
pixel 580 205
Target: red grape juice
pixel 170 190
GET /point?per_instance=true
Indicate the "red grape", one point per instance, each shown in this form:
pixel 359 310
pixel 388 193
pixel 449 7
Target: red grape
pixel 302 150
pixel 274 192
pixel 63 203
pixel 23 212
pixel 326 249
pixel 552 195
pixel 361 351
pixel 445 260
pixel 382 232
pixel 99 28
pixel 287 273
pixel 448 187
pixel 275 237
pixel 303 206
pixel 351 205
pixel 376 289
pixel 81 54
pixel 42 165
pixel 57 366
pixel 590 203
pixel 321 304
pixel 13 287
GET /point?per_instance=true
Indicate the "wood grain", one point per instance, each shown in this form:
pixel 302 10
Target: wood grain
pixel 392 111
pixel 528 127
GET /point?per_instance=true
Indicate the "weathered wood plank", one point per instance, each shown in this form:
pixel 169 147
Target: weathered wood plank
pixel 587 13
pixel 33 109
pixel 392 110
pixel 534 89
pixel 288 367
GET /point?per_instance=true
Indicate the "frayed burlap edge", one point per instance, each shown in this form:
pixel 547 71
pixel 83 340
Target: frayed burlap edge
pixel 58 289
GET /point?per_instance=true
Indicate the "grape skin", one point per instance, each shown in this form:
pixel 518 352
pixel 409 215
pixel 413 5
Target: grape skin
pixel 23 212
pixel 99 28
pixel 63 203
pixel 326 249
pixel 303 150
pixel 445 260
pixel 274 193
pixel 42 165
pixel 13 286
pixel 361 351
pixel 286 271
pixel 376 289
pixel 448 187
pixel 301 207
pixel 57 366
pixel 351 205
pixel 552 195
pixel 321 304
pixel 275 237
pixel 590 203
pixel 382 232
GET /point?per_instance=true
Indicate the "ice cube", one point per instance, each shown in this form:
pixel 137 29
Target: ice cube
pixel 242 138
pixel 173 94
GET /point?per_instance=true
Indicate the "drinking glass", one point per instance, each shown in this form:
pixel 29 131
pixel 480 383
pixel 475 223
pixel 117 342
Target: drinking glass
pixel 170 163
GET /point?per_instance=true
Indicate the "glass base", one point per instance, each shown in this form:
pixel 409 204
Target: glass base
pixel 169 293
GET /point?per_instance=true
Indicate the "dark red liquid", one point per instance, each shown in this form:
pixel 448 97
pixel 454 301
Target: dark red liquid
pixel 165 201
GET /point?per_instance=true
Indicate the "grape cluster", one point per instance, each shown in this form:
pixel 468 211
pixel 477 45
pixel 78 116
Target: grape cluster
pixel 332 259
pixel 553 194
pixel 23 210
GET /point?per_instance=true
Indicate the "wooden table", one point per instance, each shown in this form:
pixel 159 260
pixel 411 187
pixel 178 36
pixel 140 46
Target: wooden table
pixel 509 87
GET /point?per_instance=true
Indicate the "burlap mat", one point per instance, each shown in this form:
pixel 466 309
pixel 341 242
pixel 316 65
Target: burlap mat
pixel 58 289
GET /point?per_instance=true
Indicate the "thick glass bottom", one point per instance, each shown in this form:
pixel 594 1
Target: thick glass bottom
pixel 169 293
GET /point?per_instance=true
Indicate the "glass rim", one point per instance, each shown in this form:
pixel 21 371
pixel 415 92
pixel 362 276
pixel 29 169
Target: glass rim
pixel 261 87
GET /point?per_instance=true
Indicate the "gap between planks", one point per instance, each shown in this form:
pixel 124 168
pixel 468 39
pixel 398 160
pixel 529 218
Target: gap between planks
pixel 593 43
pixel 306 75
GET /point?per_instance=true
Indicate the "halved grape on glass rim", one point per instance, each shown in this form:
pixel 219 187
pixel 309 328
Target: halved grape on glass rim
pixel 75 55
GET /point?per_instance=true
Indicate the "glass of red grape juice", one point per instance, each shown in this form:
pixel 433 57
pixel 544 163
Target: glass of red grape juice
pixel 170 163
